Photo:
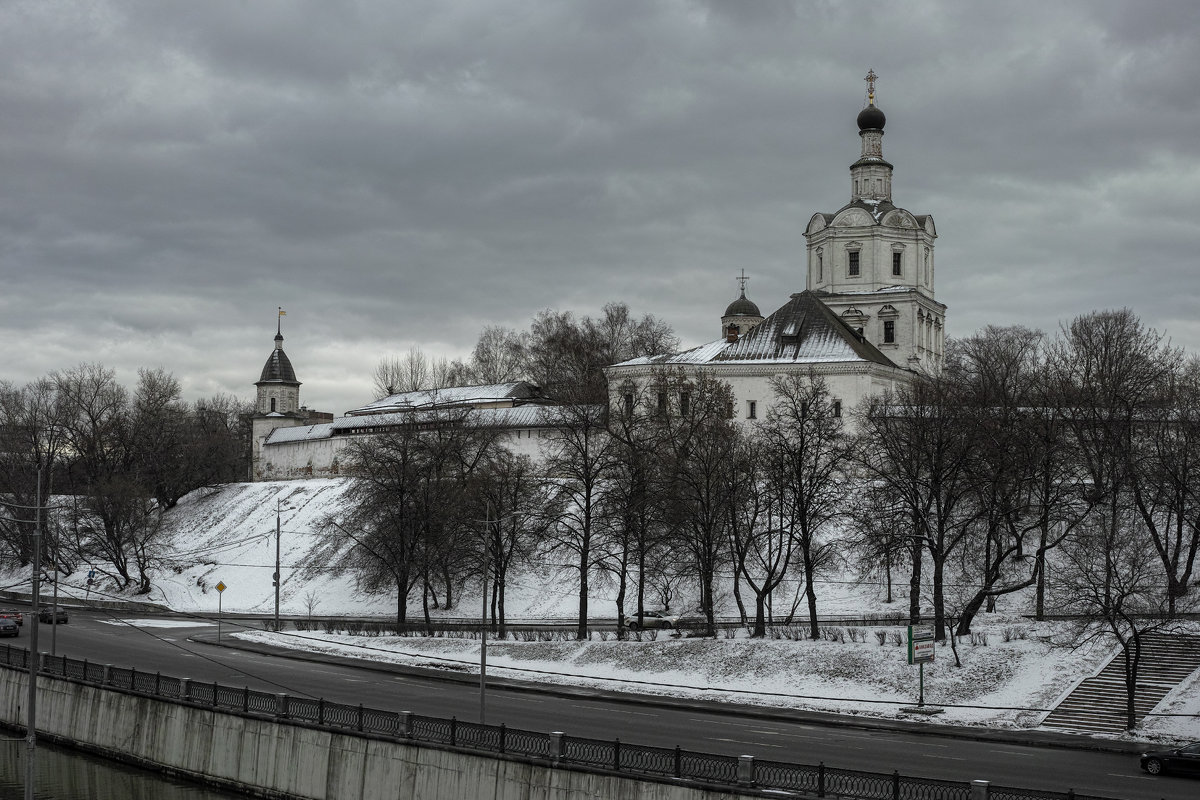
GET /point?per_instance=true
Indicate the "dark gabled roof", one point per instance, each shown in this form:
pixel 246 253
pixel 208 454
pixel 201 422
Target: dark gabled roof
pixel 802 331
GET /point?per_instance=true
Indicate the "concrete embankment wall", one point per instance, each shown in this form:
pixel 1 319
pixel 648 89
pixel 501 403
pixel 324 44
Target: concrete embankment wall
pixel 275 760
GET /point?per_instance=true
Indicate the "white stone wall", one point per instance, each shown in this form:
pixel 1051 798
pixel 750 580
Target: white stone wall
pixel 326 458
pixel 852 384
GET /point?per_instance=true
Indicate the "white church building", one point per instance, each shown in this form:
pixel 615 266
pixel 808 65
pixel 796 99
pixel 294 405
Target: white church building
pixel 867 320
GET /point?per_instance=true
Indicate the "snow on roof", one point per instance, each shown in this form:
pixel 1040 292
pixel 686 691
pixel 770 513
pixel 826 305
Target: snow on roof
pixel 803 331
pixel 885 290
pixel 527 416
pixel 450 396
pixel 300 433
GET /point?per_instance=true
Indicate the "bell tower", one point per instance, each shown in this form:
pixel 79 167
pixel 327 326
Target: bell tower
pixel 872 261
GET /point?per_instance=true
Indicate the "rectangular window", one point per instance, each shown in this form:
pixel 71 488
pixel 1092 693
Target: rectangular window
pixel 753 410
pixel 853 271
pixel 820 267
pixel 629 404
pixel 896 264
pixel 804 409
pixel 889 331
pixel 837 408
pixel 729 410
pixel 662 402
pixel 685 403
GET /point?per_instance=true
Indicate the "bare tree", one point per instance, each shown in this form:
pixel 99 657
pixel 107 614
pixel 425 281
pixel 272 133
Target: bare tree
pixel 31 444
pixel 567 357
pixel 914 445
pixel 630 493
pixel 1116 376
pixel 579 452
pixel 518 509
pixel 378 537
pixel 702 446
pixel 1110 577
pixel 499 356
pixel 804 439
pixel 761 544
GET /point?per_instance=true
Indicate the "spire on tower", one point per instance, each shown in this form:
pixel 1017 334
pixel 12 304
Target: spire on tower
pixel 741 279
pixel 870 79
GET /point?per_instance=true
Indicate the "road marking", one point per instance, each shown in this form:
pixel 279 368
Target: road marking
pixel 752 744
pixel 617 711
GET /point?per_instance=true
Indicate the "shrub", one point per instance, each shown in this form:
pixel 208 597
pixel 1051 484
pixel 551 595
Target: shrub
pixel 881 637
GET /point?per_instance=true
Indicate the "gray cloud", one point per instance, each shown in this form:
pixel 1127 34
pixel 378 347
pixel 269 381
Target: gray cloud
pixel 398 174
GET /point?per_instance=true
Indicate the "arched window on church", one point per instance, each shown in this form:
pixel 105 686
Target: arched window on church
pixel 272 405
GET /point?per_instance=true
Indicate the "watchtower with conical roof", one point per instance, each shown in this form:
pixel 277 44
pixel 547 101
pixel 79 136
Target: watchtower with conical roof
pixel 277 402
pixel 872 261
pixel 278 389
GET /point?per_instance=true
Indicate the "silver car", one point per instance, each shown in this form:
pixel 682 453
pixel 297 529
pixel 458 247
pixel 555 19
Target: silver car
pixel 652 619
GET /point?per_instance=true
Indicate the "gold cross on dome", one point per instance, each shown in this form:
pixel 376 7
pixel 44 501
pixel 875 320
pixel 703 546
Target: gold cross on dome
pixel 870 79
pixel 741 279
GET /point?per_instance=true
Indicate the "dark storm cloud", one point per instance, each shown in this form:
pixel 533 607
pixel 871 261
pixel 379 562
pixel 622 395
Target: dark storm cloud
pixel 399 174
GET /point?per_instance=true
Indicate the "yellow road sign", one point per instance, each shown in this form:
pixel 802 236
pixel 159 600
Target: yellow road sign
pixel 221 586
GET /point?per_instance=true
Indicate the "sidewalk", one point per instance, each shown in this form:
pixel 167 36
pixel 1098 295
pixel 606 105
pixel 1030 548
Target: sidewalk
pixel 1030 737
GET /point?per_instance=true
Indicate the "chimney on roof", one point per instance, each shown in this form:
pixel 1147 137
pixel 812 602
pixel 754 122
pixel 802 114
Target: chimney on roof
pixel 731 334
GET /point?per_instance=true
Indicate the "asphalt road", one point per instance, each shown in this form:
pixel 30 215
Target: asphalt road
pixel 1004 758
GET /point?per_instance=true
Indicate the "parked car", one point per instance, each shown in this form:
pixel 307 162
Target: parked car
pixel 55 616
pixel 652 619
pixel 1182 760
pixel 8 627
pixel 15 616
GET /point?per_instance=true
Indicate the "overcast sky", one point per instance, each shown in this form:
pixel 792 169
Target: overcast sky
pixel 396 173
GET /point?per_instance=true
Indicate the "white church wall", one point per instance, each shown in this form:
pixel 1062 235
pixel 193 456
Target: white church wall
pixel 327 457
pixel 306 458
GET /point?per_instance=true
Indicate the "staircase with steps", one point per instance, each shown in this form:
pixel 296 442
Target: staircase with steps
pixel 1097 705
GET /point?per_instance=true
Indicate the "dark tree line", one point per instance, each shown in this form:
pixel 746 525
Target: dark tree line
pixel 115 460
pixel 562 353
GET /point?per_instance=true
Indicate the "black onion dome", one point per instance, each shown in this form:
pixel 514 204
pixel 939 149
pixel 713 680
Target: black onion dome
pixel 742 308
pixel 871 118
pixel 278 369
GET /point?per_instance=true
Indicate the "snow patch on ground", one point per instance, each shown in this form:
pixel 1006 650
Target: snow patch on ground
pixel 1004 684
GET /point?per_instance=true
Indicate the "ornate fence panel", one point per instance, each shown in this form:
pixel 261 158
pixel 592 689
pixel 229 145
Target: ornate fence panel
pixel 709 767
pixel 527 743
pixel 782 775
pixel 647 760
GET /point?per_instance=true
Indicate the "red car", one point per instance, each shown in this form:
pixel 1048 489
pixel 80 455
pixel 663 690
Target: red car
pixel 15 616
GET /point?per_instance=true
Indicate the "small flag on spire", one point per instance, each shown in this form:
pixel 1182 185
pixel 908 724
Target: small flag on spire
pixel 282 313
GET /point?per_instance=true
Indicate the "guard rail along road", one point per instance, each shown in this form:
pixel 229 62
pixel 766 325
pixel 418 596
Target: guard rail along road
pixel 279 745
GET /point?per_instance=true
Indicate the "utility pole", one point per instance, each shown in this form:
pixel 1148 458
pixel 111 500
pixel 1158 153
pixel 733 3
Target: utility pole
pixel 35 656
pixel 483 627
pixel 277 565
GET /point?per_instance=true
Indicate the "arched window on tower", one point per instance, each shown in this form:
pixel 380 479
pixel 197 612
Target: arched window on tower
pixel 272 405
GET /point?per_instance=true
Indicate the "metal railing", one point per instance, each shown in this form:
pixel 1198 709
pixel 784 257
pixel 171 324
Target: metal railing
pixel 556 748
